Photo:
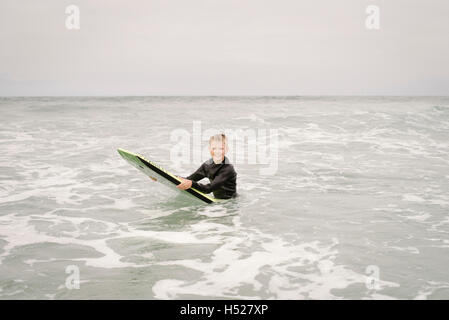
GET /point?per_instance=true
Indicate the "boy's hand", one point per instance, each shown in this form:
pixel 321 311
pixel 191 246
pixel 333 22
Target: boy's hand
pixel 185 184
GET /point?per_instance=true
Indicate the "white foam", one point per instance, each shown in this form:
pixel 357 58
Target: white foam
pixel 429 288
pixel 18 231
pixel 413 250
pixel 231 269
pixel 412 198
pixel 419 217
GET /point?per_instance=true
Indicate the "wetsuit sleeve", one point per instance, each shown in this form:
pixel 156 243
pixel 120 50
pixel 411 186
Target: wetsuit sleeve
pixel 218 182
pixel 198 174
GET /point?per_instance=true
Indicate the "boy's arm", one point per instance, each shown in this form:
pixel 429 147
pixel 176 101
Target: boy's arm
pixel 198 174
pixel 219 181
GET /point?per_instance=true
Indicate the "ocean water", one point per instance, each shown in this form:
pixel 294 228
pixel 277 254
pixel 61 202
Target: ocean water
pixel 355 205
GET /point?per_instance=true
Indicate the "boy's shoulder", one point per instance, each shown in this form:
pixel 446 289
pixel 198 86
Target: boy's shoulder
pixel 210 161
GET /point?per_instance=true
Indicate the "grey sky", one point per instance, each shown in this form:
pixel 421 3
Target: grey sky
pixel 224 47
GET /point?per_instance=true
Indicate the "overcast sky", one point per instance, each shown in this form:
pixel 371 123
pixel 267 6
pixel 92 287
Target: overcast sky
pixel 224 47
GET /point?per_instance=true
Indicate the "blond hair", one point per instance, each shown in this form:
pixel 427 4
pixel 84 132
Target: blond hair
pixel 218 137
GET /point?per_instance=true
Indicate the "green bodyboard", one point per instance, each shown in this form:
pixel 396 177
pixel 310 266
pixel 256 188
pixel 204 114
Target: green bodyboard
pixel 159 174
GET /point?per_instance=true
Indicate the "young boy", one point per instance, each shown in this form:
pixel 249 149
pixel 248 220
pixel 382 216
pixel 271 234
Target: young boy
pixel 222 176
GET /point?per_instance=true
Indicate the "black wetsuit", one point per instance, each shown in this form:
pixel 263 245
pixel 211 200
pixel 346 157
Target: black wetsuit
pixel 222 176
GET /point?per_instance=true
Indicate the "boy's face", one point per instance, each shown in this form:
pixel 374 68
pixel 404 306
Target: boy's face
pixel 217 150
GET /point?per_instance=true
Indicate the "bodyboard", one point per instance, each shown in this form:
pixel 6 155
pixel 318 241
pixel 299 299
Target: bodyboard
pixel 159 174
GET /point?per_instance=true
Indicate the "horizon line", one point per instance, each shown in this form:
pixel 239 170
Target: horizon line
pixel 222 96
